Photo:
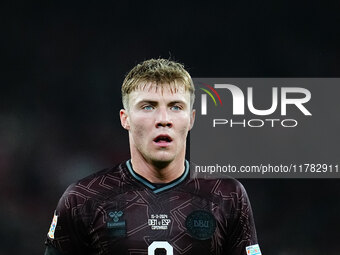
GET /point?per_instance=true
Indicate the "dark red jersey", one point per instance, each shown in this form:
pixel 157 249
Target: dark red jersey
pixel 116 211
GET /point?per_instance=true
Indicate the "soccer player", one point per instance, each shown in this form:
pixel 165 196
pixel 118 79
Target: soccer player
pixel 149 204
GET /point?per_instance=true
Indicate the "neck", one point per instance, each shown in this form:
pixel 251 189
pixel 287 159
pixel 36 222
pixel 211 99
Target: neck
pixel 158 172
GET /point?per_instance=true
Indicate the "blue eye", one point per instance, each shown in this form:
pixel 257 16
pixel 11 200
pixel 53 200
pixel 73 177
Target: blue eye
pixel 148 107
pixel 175 108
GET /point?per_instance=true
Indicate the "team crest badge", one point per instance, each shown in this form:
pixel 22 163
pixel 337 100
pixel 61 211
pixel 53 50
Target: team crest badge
pixel 53 226
pixel 201 224
pixel 253 250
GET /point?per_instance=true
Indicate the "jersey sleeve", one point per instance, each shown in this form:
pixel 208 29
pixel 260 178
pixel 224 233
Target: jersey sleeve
pixel 67 233
pixel 242 233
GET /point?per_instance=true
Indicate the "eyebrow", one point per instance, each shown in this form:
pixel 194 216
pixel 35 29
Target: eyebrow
pixel 178 102
pixel 153 102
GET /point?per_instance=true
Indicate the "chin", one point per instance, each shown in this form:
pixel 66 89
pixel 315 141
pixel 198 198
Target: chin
pixel 162 159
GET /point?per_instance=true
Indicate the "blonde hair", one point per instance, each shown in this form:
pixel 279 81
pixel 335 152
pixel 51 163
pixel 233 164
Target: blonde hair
pixel 160 72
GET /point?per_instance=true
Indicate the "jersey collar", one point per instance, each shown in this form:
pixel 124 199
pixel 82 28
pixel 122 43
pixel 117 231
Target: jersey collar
pixel 151 185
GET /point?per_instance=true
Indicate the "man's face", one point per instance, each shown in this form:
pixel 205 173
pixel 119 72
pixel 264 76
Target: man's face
pixel 158 121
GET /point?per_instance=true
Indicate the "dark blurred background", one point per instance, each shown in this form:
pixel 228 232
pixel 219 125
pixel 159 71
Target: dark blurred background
pixel 62 67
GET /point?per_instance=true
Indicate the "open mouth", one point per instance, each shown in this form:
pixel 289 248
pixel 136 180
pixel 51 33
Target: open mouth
pixel 163 139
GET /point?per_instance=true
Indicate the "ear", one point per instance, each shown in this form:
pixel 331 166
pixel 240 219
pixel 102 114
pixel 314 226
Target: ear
pixel 124 119
pixel 192 118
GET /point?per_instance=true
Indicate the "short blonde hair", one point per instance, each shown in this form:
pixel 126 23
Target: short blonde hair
pixel 160 72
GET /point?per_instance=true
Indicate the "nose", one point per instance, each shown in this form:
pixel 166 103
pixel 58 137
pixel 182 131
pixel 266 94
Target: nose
pixel 163 118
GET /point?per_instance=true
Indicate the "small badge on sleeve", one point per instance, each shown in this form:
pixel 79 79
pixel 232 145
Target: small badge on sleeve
pixel 53 226
pixel 253 250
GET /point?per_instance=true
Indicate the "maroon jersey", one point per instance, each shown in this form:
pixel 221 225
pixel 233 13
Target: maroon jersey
pixel 117 211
